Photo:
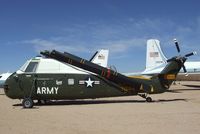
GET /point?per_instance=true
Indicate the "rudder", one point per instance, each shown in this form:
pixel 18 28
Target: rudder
pixel 154 54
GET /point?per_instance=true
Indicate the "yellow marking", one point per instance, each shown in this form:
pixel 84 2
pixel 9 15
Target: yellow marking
pixel 69 60
pixel 139 77
pixel 115 73
pixel 81 61
pixel 166 86
pixel 141 87
pixel 35 60
pixel 170 76
pixel 152 89
pixel 127 88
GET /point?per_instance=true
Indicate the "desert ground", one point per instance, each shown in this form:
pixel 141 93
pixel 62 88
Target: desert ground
pixel 176 112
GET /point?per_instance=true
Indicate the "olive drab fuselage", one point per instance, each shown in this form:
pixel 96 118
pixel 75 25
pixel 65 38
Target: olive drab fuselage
pixel 74 86
pixel 60 86
pixel 76 78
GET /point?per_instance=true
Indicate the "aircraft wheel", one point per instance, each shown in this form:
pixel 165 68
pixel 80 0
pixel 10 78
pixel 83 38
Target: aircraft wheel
pixel 27 103
pixel 149 99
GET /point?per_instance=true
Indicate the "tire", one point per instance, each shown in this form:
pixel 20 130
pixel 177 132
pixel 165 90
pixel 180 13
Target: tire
pixel 149 99
pixel 27 103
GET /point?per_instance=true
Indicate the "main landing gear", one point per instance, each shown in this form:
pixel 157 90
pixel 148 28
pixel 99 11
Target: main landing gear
pixel 148 99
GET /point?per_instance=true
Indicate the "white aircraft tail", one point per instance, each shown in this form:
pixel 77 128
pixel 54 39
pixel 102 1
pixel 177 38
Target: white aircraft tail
pixel 154 54
pixel 101 57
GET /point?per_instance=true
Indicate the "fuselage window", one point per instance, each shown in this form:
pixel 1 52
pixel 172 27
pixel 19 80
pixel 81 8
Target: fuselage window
pixel 32 67
pixel 70 81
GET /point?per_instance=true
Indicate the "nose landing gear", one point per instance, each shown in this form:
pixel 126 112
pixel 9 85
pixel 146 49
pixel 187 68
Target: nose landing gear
pixel 27 103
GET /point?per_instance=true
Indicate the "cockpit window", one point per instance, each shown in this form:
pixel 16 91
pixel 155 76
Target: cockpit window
pixel 24 66
pixel 32 67
pixel 0 77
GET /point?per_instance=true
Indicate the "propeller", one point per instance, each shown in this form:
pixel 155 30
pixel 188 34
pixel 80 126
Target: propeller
pixel 190 54
pixel 177 45
pixel 182 58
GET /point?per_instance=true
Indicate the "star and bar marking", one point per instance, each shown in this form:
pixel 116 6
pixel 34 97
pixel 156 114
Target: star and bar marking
pixel 89 82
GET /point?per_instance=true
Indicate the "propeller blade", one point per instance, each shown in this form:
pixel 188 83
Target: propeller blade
pixel 177 45
pixel 190 54
pixel 184 69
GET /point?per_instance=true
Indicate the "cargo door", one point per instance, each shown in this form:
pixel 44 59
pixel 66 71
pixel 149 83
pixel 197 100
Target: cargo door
pixel 28 79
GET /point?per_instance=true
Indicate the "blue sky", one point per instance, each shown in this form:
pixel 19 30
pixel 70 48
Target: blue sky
pixel 83 26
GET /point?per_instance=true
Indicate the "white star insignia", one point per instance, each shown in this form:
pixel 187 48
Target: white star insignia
pixel 89 82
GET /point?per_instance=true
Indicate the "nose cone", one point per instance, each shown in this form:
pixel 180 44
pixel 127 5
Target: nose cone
pixel 11 87
pixel 7 88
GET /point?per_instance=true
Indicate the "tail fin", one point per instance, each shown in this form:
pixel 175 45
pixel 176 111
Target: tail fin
pixel 100 58
pixel 167 76
pixel 154 54
pixel 169 73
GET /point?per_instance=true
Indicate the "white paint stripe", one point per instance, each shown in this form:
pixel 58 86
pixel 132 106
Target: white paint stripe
pixel 97 82
pixel 81 82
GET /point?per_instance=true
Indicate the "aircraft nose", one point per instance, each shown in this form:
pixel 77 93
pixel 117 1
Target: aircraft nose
pixel 11 88
pixel 6 88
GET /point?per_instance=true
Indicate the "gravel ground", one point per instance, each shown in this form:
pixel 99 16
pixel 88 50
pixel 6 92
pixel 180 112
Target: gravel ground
pixel 175 112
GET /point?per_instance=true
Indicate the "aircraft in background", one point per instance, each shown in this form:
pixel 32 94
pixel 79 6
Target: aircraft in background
pixel 100 58
pixel 156 61
pixel 3 78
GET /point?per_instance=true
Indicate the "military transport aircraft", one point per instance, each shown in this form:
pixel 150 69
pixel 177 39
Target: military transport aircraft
pixel 156 60
pixel 65 76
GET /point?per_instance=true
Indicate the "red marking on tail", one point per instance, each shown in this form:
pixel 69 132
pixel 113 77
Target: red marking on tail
pixel 108 73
